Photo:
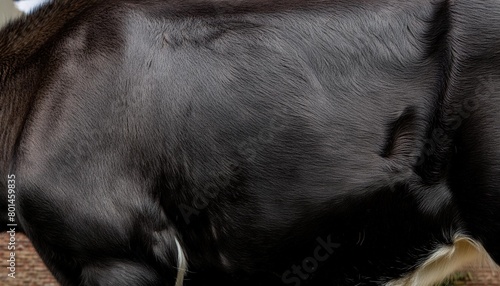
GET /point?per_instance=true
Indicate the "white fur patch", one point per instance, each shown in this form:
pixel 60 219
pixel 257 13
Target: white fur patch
pixel 28 6
pixel 445 261
pixel 181 264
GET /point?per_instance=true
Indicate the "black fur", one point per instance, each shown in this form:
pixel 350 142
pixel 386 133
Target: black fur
pixel 261 134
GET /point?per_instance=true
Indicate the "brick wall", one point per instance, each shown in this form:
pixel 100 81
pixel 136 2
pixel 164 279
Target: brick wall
pixel 30 270
pixel 483 276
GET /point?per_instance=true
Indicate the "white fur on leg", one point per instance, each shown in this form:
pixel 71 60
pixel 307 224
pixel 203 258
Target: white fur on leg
pixel 445 261
pixel 181 264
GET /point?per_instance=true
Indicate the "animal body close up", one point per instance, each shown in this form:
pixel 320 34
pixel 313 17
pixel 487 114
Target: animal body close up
pixel 260 142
